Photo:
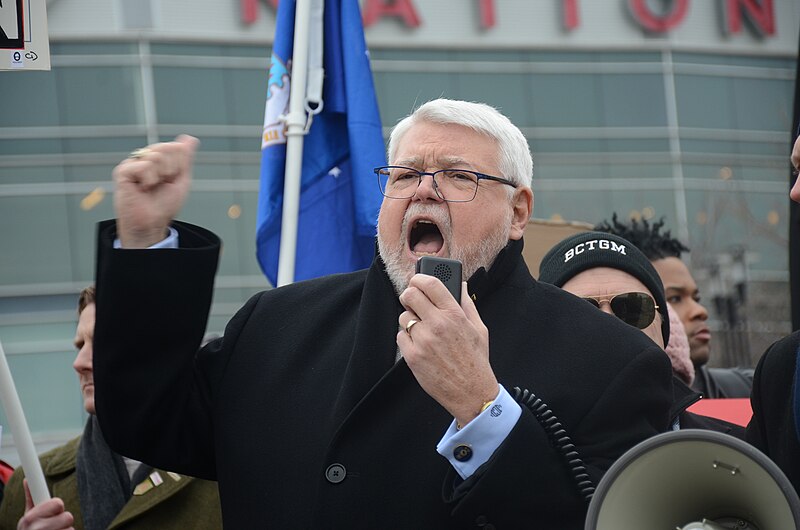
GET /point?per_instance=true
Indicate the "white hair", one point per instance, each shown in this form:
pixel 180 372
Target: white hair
pixel 515 160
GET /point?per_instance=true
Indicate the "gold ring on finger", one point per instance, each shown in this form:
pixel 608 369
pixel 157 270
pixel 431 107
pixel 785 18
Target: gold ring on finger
pixel 410 325
pixel 139 153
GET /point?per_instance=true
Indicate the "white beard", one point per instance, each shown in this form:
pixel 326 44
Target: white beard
pixel 472 256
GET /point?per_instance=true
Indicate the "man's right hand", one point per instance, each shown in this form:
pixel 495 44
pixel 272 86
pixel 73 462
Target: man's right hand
pixel 150 190
pixel 49 515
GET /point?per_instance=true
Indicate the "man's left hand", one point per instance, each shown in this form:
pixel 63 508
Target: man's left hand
pixel 448 348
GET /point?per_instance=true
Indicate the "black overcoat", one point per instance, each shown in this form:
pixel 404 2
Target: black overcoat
pixel 772 427
pixel 305 379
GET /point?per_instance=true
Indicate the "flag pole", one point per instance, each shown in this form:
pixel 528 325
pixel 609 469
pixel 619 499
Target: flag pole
pixel 794 212
pixel 295 130
pixel 21 433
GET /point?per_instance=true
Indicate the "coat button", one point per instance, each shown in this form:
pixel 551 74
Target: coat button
pixel 462 453
pixel 335 473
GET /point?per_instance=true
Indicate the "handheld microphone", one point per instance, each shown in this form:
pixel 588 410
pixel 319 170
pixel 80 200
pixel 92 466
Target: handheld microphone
pixel 447 270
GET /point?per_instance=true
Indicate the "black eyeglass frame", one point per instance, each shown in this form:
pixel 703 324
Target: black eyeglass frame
pixel 478 175
pixel 596 301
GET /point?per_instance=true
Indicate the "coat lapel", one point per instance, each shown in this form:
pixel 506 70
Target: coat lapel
pixel 374 345
pixel 152 491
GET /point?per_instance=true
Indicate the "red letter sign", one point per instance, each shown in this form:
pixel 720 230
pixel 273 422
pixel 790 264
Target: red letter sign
pixel 250 9
pixel 487 13
pixel 570 18
pixel 658 23
pixel 404 9
pixel 760 14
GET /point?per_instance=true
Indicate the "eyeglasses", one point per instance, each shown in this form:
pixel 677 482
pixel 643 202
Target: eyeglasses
pixel 636 309
pixel 451 185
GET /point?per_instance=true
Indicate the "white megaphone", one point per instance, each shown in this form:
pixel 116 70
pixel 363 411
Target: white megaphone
pixel 694 480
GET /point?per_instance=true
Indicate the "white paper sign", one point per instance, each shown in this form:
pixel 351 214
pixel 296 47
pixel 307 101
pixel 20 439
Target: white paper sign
pixel 24 43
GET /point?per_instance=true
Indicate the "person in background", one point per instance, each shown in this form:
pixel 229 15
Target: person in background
pixel 94 488
pixel 775 425
pixel 614 276
pixel 678 350
pixel 683 294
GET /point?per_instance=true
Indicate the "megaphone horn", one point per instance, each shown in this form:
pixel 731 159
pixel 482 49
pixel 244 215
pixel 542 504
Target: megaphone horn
pixel 694 480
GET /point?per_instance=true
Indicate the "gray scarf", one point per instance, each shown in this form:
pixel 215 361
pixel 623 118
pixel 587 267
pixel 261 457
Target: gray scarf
pixel 103 483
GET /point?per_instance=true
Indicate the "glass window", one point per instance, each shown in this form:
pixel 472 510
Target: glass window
pixel 107 95
pixel 773 173
pixel 30 147
pixel 779 172
pixel 248 168
pixel 599 145
pixel 84 211
pixel 230 96
pixel 720 220
pixel 565 145
pixel 48 390
pixel 633 100
pixel 105 48
pixel 732 60
pixel 248 145
pixel 734 103
pixel 736 147
pixel 507 92
pixel 29 99
pixel 245 96
pixel 210 210
pixel 246 225
pixel 208 50
pixel 566 100
pixel 705 101
pixel 31 174
pixel 763 104
pixel 411 55
pixel 191 95
pixel 108 144
pixel 558 171
pixel 40 357
pixel 645 145
pixel 591 206
pixel 40 239
pixel 95 173
pixel 399 93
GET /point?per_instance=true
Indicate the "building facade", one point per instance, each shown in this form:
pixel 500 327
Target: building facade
pixel 678 109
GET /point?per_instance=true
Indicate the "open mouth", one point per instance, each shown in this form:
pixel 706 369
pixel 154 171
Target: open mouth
pixel 425 238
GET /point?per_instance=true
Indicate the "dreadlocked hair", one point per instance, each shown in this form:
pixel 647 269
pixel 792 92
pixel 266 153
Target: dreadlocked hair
pixel 646 237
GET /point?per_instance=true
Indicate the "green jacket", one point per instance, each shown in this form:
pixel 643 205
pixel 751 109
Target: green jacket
pixel 178 502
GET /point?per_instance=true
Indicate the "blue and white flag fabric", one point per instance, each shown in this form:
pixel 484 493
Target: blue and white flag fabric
pixel 339 199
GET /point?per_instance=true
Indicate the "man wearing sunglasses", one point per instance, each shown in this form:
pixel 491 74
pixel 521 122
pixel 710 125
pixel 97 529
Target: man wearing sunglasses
pixel 683 294
pixel 373 399
pixel 612 275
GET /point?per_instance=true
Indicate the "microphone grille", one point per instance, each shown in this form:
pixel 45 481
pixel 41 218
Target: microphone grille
pixel 443 272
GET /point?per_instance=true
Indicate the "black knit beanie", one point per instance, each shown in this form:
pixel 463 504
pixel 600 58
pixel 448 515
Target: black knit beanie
pixel 589 250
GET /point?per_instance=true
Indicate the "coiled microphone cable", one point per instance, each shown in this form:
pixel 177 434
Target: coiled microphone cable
pixel 559 438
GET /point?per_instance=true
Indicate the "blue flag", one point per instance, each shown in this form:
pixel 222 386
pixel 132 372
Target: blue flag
pixel 339 199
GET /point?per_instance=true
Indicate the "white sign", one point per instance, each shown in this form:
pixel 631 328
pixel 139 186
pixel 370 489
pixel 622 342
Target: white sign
pixel 24 43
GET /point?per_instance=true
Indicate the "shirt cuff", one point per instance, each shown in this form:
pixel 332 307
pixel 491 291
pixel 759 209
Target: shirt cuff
pixel 469 448
pixel 171 241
